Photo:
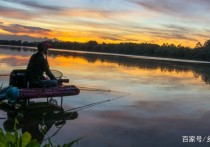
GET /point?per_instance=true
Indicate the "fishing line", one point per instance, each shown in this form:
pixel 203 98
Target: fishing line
pixel 94 104
pixel 55 133
pixel 50 137
pixel 59 128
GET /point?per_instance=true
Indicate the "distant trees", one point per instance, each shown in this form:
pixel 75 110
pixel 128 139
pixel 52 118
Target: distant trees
pixel 10 42
pixel 207 44
pixel 198 45
pixel 200 52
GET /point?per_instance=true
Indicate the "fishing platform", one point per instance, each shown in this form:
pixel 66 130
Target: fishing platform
pixel 24 92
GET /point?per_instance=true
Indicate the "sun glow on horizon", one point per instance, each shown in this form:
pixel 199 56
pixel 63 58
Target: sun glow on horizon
pixel 120 21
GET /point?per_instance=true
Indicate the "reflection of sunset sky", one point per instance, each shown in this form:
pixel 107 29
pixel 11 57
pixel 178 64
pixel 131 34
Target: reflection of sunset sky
pixel 125 128
pixel 156 21
pixel 161 105
pixel 106 71
pixel 15 60
pixel 98 70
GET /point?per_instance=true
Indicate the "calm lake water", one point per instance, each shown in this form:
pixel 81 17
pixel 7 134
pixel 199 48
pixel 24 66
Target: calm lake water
pixel 158 102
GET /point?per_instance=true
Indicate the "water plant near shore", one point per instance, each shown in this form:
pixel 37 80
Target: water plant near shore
pixel 24 139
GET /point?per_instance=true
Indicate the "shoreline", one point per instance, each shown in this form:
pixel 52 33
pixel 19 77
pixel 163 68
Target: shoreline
pixel 121 55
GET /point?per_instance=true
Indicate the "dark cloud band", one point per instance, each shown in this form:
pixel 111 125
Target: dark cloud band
pixel 17 28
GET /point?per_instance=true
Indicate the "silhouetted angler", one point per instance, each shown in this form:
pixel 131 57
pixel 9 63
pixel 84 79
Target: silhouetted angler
pixel 38 64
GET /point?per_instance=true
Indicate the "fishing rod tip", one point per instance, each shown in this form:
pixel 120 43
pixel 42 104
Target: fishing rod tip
pixel 1 86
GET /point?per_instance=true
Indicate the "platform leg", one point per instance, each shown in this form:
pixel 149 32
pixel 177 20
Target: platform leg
pixel 61 101
pixel 27 102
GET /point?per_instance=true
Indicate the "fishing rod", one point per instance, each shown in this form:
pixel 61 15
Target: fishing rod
pixel 95 89
pixel 1 86
pixel 96 103
pixel 4 75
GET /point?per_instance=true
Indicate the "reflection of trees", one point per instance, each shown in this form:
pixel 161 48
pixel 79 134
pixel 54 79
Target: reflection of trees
pixel 11 48
pixel 205 75
pixel 201 70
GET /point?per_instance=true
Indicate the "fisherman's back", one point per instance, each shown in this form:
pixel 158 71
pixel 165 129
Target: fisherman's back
pixel 36 67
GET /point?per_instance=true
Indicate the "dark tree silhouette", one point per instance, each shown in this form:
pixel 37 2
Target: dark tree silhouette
pixel 199 52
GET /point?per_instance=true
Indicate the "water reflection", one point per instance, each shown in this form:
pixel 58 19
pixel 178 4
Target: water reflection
pixel 157 130
pixel 62 59
pixel 162 66
pixel 167 100
pixel 37 119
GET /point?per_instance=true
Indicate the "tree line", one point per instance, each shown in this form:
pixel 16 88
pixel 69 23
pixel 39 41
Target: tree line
pixel 199 52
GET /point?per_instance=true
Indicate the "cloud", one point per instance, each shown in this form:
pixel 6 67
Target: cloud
pixel 32 9
pixel 172 31
pixel 40 6
pixel 172 35
pixel 163 31
pixel 26 10
pixel 116 31
pixel 117 38
pixel 17 28
pixel 89 12
pixel 180 32
pixel 187 10
pixel 203 36
pixel 22 37
pixel 96 13
pixel 16 13
pixel 177 28
pixel 25 33
pixel 200 2
pixel 36 5
pixel 165 6
pixel 121 24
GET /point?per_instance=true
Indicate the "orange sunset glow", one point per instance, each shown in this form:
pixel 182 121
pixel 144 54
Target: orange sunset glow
pixel 139 21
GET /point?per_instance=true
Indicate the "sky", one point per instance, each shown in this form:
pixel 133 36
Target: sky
pixel 184 22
